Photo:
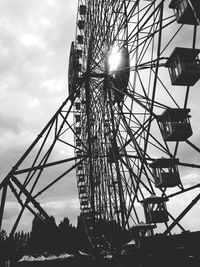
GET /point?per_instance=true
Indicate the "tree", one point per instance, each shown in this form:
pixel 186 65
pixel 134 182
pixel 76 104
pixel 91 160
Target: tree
pixel 67 236
pixel 43 234
pixel 3 236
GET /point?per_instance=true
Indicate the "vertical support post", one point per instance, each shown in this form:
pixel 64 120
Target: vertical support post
pixel 3 198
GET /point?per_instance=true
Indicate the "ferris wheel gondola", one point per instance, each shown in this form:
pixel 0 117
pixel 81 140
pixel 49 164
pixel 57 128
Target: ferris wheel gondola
pixel 130 120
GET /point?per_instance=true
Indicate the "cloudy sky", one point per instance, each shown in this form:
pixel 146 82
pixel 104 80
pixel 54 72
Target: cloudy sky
pixel 34 50
pixel 35 39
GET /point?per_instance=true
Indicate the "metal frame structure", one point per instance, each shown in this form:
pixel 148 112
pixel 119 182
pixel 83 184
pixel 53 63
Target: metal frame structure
pixel 117 135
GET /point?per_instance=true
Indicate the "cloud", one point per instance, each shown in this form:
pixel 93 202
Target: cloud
pixel 34 47
pixel 11 209
pixel 62 207
pixel 34 103
pixel 10 124
pixel 11 212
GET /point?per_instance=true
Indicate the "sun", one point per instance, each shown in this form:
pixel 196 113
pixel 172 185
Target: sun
pixel 114 59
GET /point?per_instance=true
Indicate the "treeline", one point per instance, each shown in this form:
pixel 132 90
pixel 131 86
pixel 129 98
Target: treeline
pixel 43 238
pixel 48 237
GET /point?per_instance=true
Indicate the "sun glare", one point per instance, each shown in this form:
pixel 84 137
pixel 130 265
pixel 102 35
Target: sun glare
pixel 114 59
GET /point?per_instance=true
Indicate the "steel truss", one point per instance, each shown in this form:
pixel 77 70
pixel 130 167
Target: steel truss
pixel 117 125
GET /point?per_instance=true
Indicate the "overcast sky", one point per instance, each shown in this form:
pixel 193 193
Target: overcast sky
pixel 34 50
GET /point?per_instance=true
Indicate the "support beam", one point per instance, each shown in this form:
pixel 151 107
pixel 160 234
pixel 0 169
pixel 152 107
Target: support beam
pixel 193 202
pixel 30 198
pixel 3 198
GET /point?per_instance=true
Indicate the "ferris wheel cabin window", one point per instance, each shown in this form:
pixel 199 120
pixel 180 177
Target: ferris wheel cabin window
pixel 186 11
pixel 175 124
pixel 165 172
pixel 155 209
pixel 77 118
pixel 78 53
pixel 82 189
pixel 78 105
pixel 80 167
pixel 81 178
pixel 78 142
pixel 84 203
pixel 184 66
pixel 80 39
pixel 82 10
pixel 81 24
pixel 78 130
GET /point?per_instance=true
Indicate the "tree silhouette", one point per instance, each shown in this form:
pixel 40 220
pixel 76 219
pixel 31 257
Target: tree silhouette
pixel 43 235
pixel 3 236
pixel 67 236
pixel 3 245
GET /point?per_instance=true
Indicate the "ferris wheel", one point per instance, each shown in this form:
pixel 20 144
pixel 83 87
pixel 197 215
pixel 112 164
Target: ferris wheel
pixel 133 71
pixel 130 73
